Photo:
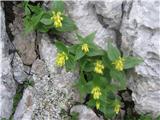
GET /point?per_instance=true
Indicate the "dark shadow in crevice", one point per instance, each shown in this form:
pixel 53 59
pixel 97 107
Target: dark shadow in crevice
pixel 9 17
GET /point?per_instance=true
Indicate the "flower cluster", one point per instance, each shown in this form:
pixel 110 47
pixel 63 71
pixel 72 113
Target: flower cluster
pixel 119 64
pixel 117 108
pixel 61 58
pixel 96 92
pixel 99 67
pixel 57 19
pixel 85 48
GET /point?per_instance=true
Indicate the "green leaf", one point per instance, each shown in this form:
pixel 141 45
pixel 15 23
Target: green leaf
pixel 80 38
pixel 89 38
pixel 73 48
pixel 36 19
pixel 70 63
pixel 131 62
pixel 27 11
pixel 58 6
pixel 99 81
pixel 61 47
pixel 109 112
pixel 91 103
pixel 67 25
pixel 88 66
pixel 46 21
pixel 41 28
pixel 95 52
pixel 120 77
pixel 36 9
pixel 81 85
pixel 28 27
pixel 106 61
pixel 79 53
pixel 113 52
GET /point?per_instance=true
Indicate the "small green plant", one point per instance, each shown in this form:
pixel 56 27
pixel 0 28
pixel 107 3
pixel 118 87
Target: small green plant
pixel 101 72
pixel 43 20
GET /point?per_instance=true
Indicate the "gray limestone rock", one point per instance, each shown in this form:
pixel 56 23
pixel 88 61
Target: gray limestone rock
pixel 24 43
pixel 140 37
pixel 84 113
pixel 7 83
pixel 86 19
pixel 47 52
pixel 18 69
pixel 39 68
pixel 25 107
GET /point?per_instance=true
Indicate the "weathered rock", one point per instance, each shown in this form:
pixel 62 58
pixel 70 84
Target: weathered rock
pixel 85 113
pixel 140 36
pixel 54 94
pixel 18 69
pixel 48 53
pixel 27 69
pixel 39 68
pixel 25 107
pixel 25 44
pixel 110 12
pixel 53 91
pixel 85 17
pixel 7 83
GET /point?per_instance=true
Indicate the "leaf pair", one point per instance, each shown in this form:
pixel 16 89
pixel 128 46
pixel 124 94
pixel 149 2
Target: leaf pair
pixel 38 18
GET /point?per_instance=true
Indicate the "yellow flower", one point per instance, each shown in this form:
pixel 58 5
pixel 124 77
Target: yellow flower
pixel 96 92
pixel 117 108
pixel 57 19
pixel 85 48
pixel 61 58
pixel 99 67
pixel 97 104
pixel 119 64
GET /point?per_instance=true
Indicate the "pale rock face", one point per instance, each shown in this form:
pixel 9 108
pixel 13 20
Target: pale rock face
pixel 18 69
pixel 84 113
pixel 53 91
pixel 24 43
pixel 85 17
pixel 53 95
pixel 25 107
pixel 111 13
pixel 48 53
pixel 140 37
pixel 39 68
pixel 7 83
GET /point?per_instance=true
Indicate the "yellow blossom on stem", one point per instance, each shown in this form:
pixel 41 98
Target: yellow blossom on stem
pixel 119 64
pixel 96 92
pixel 117 108
pixel 99 67
pixel 61 59
pixel 57 19
pixel 85 48
pixel 97 105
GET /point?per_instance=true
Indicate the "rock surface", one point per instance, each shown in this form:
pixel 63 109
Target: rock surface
pixel 48 53
pixel 25 107
pixel 140 37
pixel 39 68
pixel 84 113
pixel 7 83
pixel 86 19
pixel 25 44
pixel 18 69
pixel 52 93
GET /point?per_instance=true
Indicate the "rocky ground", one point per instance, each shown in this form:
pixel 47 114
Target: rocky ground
pixel 134 26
